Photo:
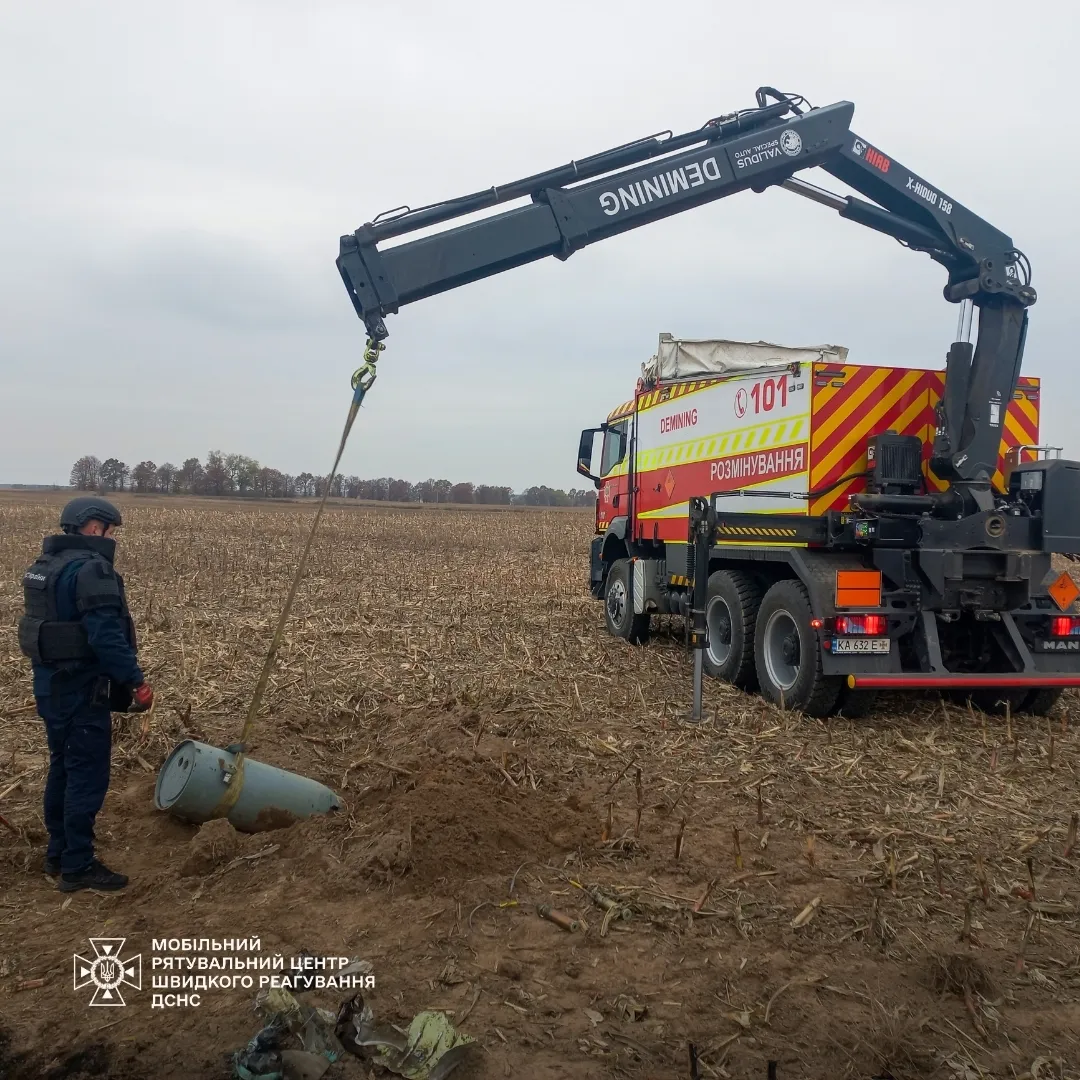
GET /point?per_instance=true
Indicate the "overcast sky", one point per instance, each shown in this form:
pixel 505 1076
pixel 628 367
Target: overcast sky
pixel 174 179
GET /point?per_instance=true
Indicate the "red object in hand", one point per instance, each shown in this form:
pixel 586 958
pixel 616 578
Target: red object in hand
pixel 142 697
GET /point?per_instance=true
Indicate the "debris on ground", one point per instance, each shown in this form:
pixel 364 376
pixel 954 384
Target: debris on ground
pixel 293 1042
pixel 430 1049
pixel 261 1058
pixel 300 1042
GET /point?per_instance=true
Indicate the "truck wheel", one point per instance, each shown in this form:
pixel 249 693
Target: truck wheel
pixel 731 610
pixel 992 702
pixel 788 655
pixel 619 608
pixel 855 704
pixel 1042 702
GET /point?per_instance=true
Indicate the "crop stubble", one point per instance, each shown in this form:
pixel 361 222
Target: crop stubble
pixel 840 898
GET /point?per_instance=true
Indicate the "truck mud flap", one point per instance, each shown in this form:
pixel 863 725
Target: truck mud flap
pixel 596 567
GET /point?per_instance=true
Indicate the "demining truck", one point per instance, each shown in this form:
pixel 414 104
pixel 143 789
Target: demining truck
pixel 827 529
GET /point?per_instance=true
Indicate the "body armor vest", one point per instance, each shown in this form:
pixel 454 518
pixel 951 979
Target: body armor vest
pixel 43 636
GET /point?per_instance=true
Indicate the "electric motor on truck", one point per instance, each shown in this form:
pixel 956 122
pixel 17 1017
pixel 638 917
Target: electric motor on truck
pixel 882 529
pixel 780 433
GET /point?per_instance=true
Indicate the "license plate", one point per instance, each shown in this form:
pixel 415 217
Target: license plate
pixel 861 644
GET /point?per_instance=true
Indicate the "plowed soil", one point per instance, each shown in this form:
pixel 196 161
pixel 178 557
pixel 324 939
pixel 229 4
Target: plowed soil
pixel 896 896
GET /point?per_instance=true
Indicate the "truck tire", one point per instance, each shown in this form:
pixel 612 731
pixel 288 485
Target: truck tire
pixel 788 654
pixel 992 702
pixel 1042 702
pixel 731 614
pixel 619 608
pixel 855 704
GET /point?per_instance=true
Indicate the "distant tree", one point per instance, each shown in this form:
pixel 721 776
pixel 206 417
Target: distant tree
pixel 190 476
pixel 488 495
pixel 583 497
pixel 166 478
pixel 225 473
pixel 144 476
pixel 86 473
pixel 242 471
pixel 271 484
pixel 218 480
pixel 113 474
pixel 542 495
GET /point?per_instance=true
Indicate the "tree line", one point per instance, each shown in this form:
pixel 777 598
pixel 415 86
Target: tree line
pixel 237 474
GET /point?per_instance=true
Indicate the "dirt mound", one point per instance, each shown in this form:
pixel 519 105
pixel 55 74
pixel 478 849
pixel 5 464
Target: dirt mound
pixel 215 844
pixel 439 823
pixel 459 822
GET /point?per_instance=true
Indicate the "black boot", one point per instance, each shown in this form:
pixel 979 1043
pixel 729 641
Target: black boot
pixel 96 876
pixel 51 867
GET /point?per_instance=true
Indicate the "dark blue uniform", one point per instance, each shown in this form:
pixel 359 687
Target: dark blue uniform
pixel 83 654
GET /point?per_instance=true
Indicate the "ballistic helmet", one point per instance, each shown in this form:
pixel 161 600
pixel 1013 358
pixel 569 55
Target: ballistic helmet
pixel 88 508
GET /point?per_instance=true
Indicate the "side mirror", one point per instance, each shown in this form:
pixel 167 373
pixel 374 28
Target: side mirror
pixel 586 452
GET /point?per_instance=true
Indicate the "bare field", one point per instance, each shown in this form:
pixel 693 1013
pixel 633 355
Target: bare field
pixel 887 896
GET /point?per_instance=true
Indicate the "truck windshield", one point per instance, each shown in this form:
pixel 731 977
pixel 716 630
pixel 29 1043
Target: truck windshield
pixel 612 445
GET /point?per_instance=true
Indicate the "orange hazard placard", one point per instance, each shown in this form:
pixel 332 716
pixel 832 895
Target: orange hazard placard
pixel 858 588
pixel 1064 591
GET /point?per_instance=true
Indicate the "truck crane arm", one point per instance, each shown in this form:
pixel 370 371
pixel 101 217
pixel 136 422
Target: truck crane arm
pixel 586 201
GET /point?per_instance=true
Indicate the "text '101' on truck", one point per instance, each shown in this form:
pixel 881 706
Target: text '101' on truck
pixel 887 527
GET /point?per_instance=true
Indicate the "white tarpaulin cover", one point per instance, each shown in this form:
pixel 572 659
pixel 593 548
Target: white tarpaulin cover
pixel 685 358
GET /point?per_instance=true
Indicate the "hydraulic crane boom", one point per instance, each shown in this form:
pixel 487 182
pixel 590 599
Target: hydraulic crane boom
pixel 631 185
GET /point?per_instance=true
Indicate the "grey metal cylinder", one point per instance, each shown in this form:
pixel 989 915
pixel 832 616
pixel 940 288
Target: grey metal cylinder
pixel 195 776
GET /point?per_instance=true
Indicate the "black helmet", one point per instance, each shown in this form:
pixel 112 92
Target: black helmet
pixel 88 508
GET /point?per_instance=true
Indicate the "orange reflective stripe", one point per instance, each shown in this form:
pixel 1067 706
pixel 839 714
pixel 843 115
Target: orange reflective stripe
pixel 858 579
pixel 858 598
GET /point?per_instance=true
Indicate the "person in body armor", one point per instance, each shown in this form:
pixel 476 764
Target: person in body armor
pixel 80 639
